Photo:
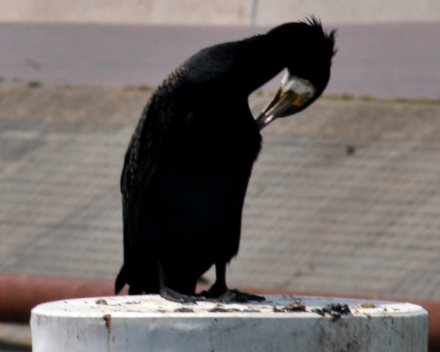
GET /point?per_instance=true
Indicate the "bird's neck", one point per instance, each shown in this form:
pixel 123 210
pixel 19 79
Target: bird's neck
pixel 235 69
pixel 259 61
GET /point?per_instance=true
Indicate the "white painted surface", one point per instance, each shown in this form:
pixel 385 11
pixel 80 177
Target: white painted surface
pixel 225 12
pixel 149 323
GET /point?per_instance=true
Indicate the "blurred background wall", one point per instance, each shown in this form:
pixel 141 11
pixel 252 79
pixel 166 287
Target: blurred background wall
pixel 215 12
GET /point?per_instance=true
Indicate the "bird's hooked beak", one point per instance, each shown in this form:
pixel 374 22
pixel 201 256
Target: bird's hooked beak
pixel 290 98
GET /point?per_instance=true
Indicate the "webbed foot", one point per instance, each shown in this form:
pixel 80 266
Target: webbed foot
pixel 175 296
pixel 238 296
pixel 227 295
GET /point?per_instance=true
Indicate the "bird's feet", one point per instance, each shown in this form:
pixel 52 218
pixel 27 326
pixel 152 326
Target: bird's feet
pixel 175 296
pixel 217 293
pixel 231 296
pixel 226 295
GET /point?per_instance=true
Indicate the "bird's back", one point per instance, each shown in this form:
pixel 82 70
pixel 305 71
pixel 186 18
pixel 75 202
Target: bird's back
pixel 183 183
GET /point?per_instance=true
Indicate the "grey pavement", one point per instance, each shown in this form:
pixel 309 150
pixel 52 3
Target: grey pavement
pixel 381 60
pixel 343 198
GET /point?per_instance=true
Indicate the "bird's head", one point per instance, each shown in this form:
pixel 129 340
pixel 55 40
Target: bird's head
pixel 307 50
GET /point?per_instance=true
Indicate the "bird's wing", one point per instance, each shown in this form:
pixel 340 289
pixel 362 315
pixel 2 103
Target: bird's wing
pixel 142 156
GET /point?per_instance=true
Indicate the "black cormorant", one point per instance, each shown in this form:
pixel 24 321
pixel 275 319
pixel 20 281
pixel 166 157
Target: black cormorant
pixel 188 164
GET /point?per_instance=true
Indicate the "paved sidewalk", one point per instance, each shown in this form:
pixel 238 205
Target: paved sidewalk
pixel 344 198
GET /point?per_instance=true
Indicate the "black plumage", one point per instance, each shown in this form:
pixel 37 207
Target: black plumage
pixel 188 164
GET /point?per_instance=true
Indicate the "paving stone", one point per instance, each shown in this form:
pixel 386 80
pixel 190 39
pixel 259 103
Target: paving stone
pixel 315 217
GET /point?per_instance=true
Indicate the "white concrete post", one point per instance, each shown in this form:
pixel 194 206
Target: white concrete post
pixel 282 323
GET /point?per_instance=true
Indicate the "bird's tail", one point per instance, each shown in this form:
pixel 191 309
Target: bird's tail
pixel 120 281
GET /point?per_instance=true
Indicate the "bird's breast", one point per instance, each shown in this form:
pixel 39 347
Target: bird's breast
pixel 205 165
